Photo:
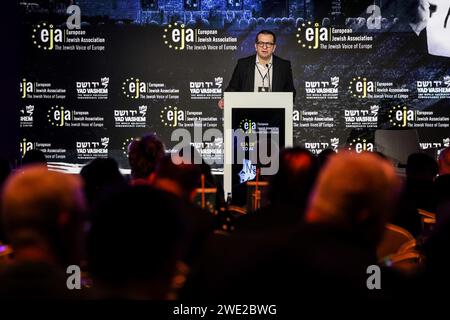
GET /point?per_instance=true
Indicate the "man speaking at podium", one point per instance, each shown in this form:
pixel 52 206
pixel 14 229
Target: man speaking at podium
pixel 263 72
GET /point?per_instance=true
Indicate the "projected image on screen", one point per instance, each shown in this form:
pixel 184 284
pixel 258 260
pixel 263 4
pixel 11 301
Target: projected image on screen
pixel 262 123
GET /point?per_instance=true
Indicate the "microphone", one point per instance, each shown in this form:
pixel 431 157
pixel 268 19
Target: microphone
pixel 268 74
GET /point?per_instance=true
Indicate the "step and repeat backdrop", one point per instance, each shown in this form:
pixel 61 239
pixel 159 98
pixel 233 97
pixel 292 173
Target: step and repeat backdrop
pixel 96 75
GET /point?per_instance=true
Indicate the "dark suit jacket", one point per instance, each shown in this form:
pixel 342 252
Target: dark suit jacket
pixel 243 79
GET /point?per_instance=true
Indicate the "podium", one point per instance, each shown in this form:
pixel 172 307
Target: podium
pixel 256 126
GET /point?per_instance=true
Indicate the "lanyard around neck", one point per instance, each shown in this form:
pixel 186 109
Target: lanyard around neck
pixel 260 73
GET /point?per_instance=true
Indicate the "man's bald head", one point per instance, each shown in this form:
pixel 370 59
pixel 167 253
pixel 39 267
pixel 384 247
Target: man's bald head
pixel 41 206
pixel 356 192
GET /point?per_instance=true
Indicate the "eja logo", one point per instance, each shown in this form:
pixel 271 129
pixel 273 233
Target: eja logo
pixel 399 116
pixel 360 87
pixel 25 146
pixel 360 145
pixel 248 126
pixel 45 36
pixel 171 116
pixel 58 116
pixel 133 88
pixel 311 36
pixel 26 87
pixel 176 36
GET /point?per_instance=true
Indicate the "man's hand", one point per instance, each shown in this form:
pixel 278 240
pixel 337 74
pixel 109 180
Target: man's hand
pixel 220 103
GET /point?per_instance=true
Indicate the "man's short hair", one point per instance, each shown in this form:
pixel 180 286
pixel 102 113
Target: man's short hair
pixel 266 32
pixel 99 176
pixel 421 166
pixel 295 177
pixel 144 154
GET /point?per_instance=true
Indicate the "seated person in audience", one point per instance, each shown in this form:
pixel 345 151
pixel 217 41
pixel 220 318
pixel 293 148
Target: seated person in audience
pixel 180 177
pixel 353 199
pixel 436 278
pixel 324 259
pixel 134 244
pixel 421 171
pixel 143 156
pixel 418 193
pixel 353 189
pixel 288 193
pixel 99 176
pixel 42 213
